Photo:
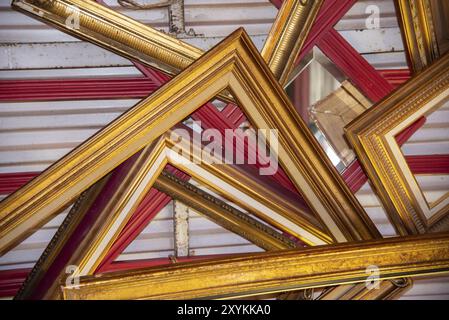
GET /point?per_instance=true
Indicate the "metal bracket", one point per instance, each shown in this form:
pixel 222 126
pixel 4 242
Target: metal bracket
pixel 176 22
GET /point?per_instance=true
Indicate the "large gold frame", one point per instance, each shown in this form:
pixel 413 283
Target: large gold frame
pixel 144 174
pixel 225 180
pixel 418 26
pixel 234 64
pixel 273 271
pixel 372 135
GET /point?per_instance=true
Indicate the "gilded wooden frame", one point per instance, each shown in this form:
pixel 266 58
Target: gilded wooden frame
pixel 144 174
pixel 131 39
pixel 234 64
pixel 225 180
pixel 418 26
pixel 388 290
pixel 372 135
pixel 222 213
pixel 280 271
pixel 215 209
pixel 287 36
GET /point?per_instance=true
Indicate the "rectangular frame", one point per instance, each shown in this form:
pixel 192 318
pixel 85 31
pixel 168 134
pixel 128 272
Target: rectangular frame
pixel 271 272
pixel 372 135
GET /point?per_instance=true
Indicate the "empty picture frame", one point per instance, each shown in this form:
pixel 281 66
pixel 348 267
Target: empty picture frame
pixel 372 135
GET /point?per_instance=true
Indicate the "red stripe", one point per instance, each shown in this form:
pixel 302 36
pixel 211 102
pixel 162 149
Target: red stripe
pixel 395 77
pixel 355 177
pixel 356 68
pixel 116 88
pixel 11 281
pixel 330 13
pixel 234 114
pixel 277 3
pixel 75 89
pixel 139 264
pixel 429 164
pixel 10 182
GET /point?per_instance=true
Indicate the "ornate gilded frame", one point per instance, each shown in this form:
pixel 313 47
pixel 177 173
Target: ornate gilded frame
pixel 270 272
pixel 144 174
pixel 288 35
pixel 226 180
pixel 131 39
pixel 418 25
pixel 222 213
pixel 234 64
pixel 372 135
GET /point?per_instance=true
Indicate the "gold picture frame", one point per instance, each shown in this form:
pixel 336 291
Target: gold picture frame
pixel 372 135
pixel 176 149
pixel 136 41
pixel 234 64
pixel 145 173
pixel 418 26
pixel 271 272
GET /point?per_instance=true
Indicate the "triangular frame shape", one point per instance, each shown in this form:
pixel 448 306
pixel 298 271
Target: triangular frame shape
pixel 114 211
pixel 233 64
